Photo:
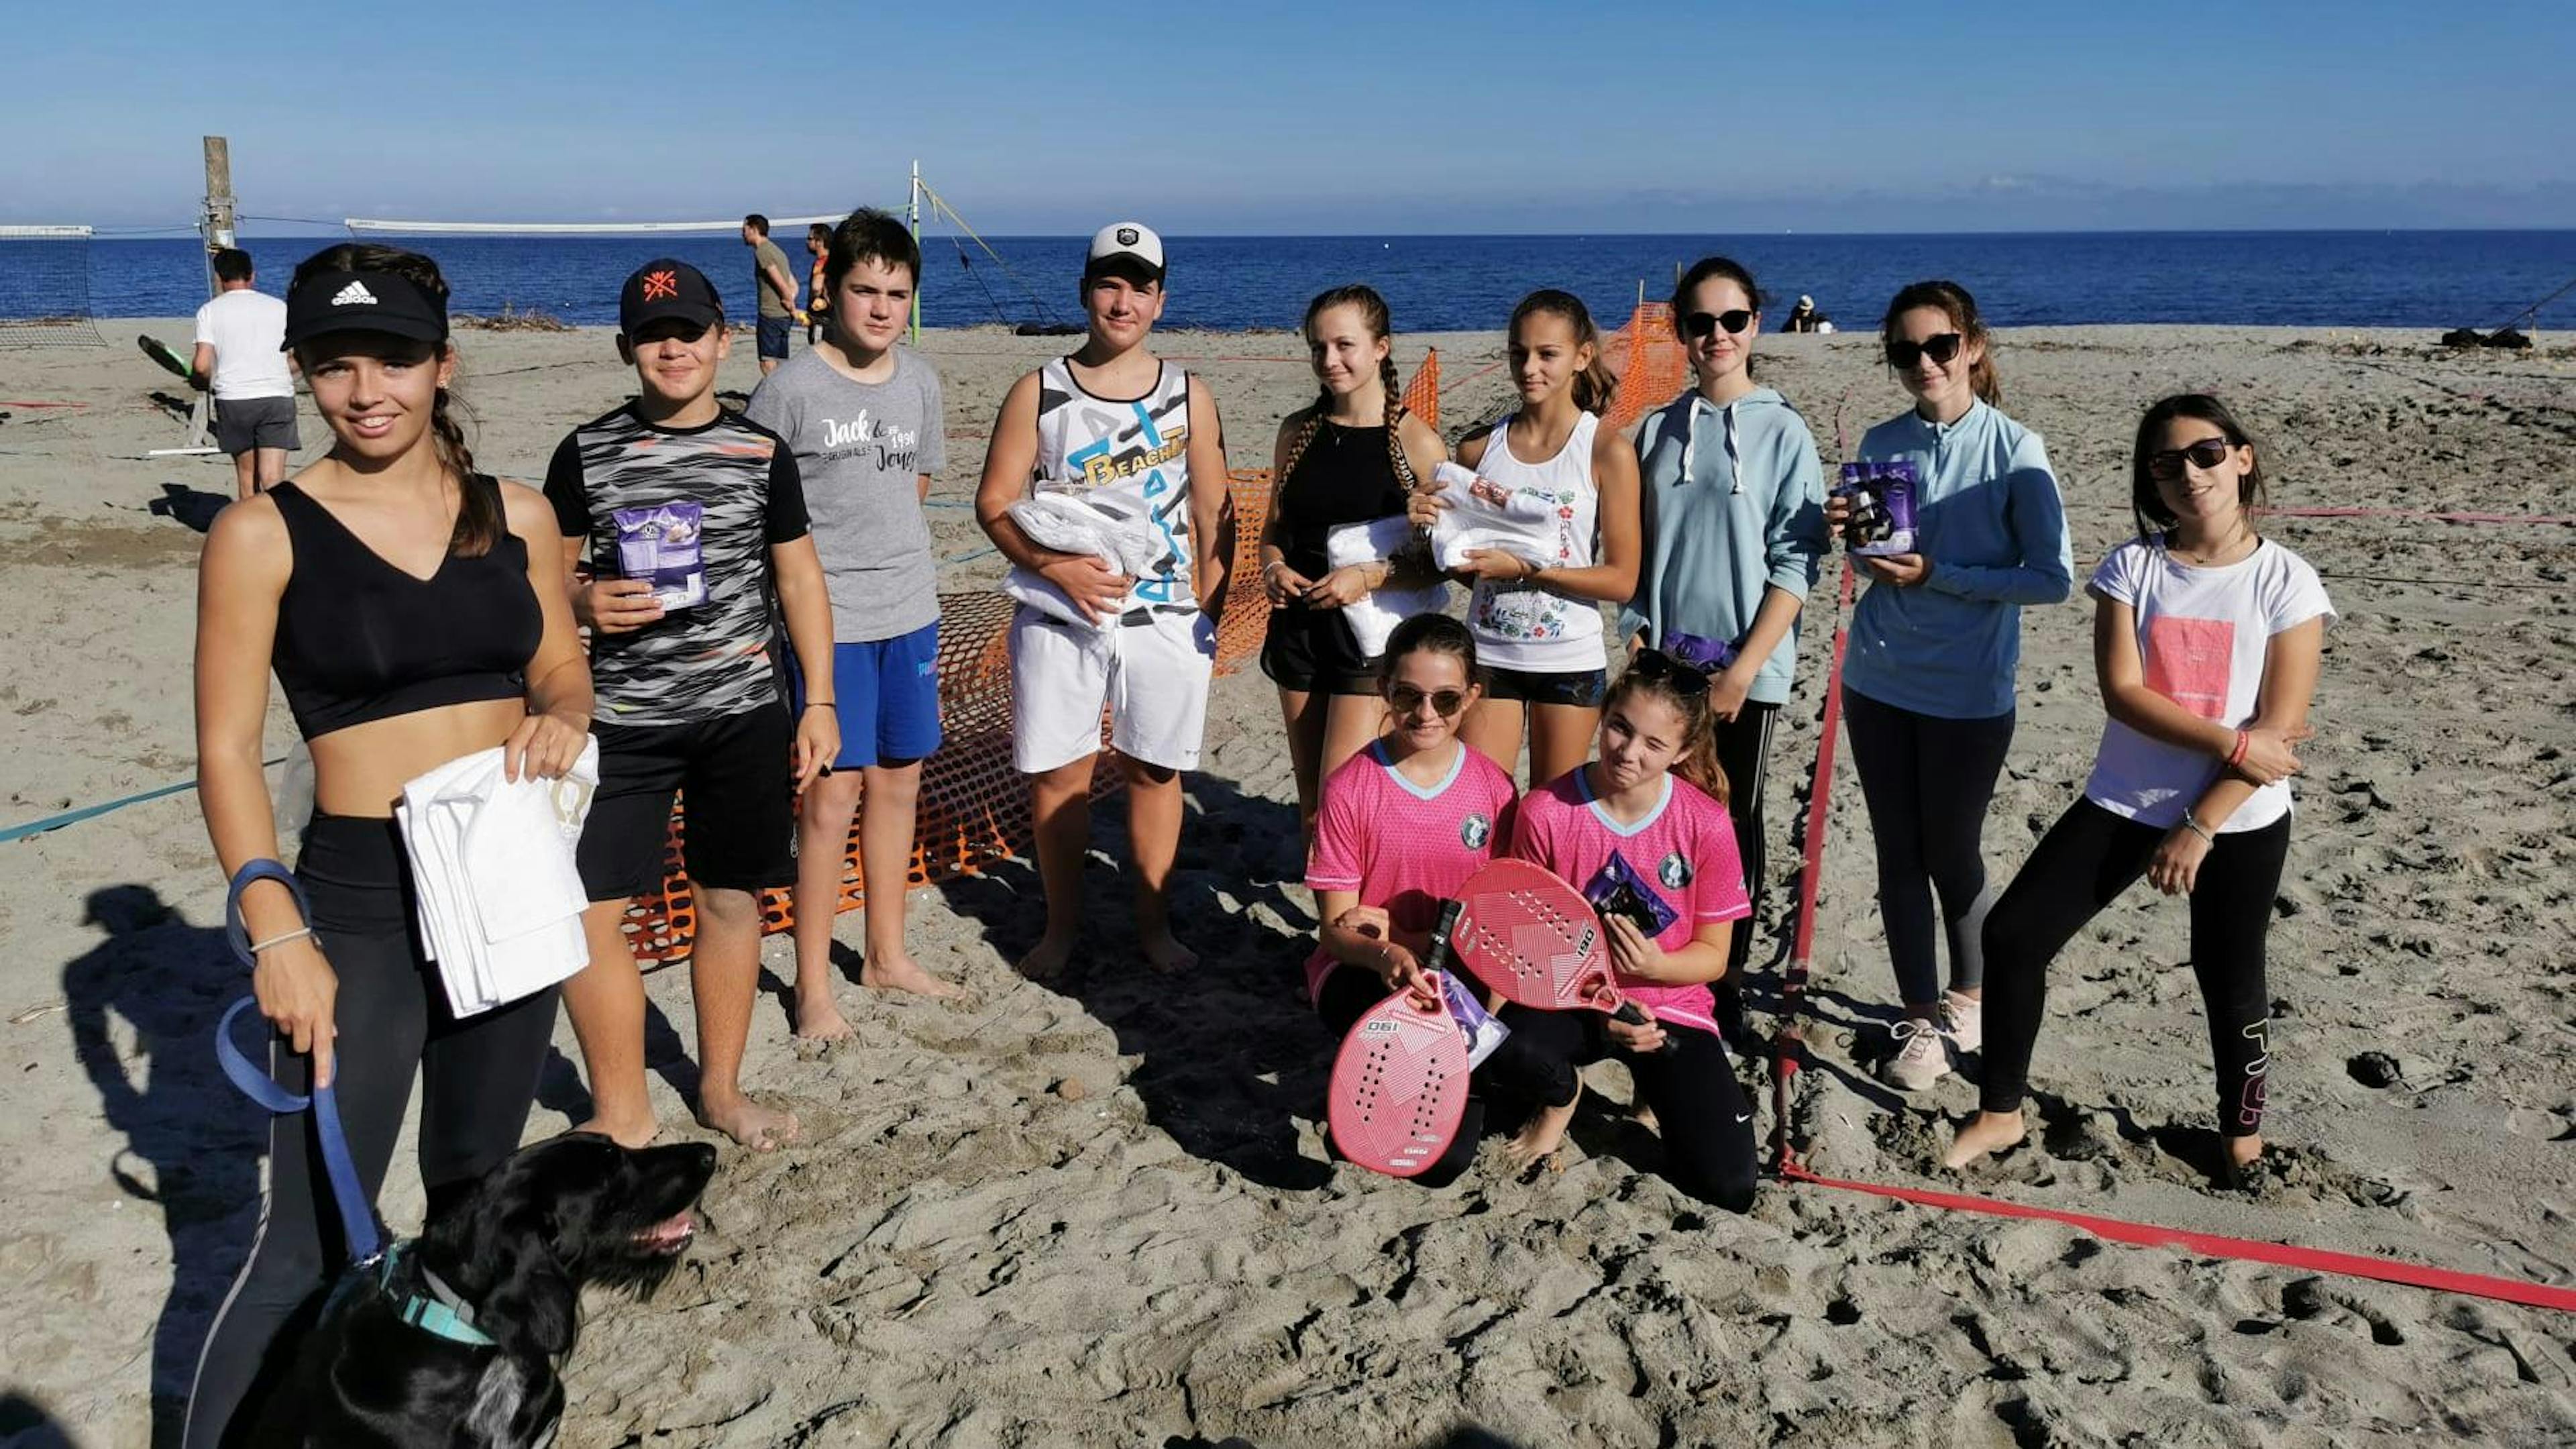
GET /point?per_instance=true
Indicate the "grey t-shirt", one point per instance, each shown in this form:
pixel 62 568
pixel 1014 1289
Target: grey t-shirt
pixel 860 449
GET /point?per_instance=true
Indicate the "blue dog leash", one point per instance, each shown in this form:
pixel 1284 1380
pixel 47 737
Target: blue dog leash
pixel 357 1214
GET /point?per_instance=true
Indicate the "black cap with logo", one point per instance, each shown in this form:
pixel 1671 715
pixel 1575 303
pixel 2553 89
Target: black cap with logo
pixel 667 288
pixel 362 302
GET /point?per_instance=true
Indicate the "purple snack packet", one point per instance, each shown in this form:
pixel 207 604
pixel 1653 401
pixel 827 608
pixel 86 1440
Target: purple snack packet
pixel 1700 652
pixel 1882 497
pixel 660 544
pixel 1617 890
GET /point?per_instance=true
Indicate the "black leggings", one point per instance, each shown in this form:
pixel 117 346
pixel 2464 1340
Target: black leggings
pixel 2083 864
pixel 1707 1125
pixel 479 1078
pixel 1927 782
pixel 1744 752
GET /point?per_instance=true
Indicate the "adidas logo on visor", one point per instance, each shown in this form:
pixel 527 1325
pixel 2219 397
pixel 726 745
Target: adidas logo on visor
pixel 354 295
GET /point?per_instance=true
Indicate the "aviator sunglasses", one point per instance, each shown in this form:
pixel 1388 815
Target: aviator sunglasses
pixel 1444 702
pixel 1656 666
pixel 1701 324
pixel 2208 453
pixel 1940 347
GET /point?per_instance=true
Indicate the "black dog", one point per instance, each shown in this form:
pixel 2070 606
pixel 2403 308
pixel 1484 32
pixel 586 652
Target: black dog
pixel 457 1338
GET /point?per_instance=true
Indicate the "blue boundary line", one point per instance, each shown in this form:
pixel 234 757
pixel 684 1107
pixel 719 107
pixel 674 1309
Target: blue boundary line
pixel 88 812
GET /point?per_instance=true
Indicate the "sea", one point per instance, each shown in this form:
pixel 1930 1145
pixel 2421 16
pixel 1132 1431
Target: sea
pixel 2406 279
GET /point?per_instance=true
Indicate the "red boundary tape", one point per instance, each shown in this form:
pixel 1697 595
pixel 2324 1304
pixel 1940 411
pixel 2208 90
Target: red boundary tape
pixel 1788 1044
pixel 2287 1255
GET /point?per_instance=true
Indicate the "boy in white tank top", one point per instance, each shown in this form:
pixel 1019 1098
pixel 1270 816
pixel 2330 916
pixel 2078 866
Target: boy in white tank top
pixel 1116 423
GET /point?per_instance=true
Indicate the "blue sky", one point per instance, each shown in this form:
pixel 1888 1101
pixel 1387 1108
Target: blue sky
pixel 1323 118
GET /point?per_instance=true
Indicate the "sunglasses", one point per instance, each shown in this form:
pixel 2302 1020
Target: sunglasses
pixel 1940 348
pixel 1657 667
pixel 1444 702
pixel 2208 453
pixel 1701 324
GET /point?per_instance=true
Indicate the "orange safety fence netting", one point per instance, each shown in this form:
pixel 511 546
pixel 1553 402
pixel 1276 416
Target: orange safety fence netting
pixel 1656 368
pixel 974 808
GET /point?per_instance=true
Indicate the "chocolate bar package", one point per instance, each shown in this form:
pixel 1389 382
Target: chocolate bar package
pixel 1882 496
pixel 1617 890
pixel 1700 652
pixel 660 544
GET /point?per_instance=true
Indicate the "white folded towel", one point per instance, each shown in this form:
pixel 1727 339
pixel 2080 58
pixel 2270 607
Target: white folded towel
pixel 1375 616
pixel 500 898
pixel 1484 514
pixel 1121 539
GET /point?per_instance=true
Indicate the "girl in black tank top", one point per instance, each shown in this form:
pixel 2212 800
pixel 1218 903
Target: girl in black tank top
pixel 358 637
pixel 1333 469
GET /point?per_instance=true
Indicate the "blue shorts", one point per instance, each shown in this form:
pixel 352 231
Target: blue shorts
pixel 773 336
pixel 888 692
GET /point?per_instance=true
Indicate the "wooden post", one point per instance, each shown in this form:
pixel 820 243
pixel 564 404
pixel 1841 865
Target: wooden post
pixel 216 226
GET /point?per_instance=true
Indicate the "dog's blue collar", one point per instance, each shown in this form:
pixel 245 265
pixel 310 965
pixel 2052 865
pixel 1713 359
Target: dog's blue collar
pixel 438 1310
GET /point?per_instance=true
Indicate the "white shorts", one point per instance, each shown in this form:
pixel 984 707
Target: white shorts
pixel 1152 674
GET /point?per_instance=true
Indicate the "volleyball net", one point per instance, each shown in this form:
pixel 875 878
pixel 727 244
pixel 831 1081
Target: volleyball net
pixel 44 288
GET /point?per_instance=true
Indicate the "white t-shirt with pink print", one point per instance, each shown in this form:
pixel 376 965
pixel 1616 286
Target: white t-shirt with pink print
pixel 2202 636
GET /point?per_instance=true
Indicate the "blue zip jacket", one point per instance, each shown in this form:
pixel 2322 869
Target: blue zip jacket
pixel 1733 506
pixel 1989 518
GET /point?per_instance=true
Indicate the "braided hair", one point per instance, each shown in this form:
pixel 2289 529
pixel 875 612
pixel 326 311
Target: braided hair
pixel 1373 316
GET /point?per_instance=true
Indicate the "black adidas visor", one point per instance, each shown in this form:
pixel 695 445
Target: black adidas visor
pixel 362 302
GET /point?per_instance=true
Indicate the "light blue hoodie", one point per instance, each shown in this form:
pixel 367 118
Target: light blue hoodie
pixel 1733 506
pixel 1988 516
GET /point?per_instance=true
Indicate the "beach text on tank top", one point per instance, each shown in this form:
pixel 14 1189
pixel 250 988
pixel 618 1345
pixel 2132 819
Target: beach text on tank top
pixel 1137 451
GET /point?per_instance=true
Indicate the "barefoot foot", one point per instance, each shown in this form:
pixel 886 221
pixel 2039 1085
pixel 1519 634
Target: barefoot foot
pixel 819 1019
pixel 2243 1152
pixel 902 973
pixel 762 1129
pixel 1166 954
pixel 1987 1132
pixel 626 1130
pixel 1046 960
pixel 1538 1139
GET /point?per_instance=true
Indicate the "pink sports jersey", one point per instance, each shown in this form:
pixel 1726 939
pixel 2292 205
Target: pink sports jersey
pixel 1403 847
pixel 1684 851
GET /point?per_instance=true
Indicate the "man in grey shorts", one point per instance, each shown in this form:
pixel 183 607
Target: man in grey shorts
pixel 241 357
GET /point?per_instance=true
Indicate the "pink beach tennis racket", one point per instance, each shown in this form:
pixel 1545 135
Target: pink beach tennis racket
pixel 1535 941
pixel 1399 1084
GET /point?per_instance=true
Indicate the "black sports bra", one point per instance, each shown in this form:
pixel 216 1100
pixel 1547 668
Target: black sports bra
pixel 359 639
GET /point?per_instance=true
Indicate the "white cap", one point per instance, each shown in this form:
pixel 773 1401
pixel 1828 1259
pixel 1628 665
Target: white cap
pixel 1806 301
pixel 1126 239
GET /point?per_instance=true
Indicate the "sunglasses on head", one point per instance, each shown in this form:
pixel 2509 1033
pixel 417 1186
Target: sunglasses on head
pixel 1657 667
pixel 2208 453
pixel 1701 324
pixel 1444 702
pixel 1940 347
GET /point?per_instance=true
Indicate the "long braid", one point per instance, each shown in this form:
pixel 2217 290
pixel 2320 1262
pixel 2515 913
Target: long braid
pixel 1305 438
pixel 1395 457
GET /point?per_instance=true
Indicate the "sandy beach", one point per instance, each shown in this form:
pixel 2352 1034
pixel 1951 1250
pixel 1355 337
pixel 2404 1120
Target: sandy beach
pixel 1101 1212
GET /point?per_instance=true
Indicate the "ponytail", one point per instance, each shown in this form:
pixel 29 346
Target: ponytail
pixel 1697 764
pixel 1595 385
pixel 1952 301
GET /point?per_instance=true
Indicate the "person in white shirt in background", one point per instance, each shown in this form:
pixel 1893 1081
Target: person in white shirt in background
pixel 241 358
pixel 2208 640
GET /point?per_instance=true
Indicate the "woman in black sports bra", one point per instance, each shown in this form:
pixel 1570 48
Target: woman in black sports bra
pixel 415 612
pixel 1349 457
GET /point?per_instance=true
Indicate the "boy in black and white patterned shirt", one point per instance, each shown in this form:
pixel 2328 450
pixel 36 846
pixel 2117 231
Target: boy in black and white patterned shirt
pixel 691 523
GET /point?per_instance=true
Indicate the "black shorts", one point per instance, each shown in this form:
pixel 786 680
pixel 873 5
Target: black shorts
pixel 1311 649
pixel 741 801
pixel 1582 688
pixel 772 337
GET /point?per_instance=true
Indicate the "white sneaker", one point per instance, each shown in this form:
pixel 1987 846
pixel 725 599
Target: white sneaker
pixel 1963 1021
pixel 1922 1056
